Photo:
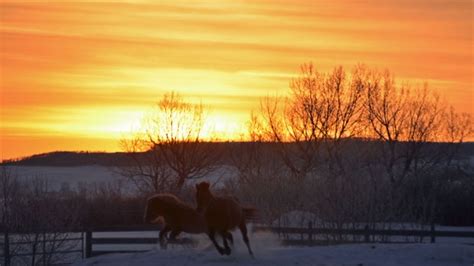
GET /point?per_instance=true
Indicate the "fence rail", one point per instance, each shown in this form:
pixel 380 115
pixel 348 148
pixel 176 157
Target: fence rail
pixel 91 240
pixel 133 228
pixel 311 232
pixel 308 236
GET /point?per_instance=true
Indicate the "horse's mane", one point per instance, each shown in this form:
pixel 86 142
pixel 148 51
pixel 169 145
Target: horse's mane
pixel 170 200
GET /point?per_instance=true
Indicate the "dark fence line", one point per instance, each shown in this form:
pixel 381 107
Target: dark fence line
pixel 90 241
pixel 128 228
pixel 311 232
pixel 308 236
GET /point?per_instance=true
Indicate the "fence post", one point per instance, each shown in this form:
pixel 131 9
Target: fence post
pixel 6 248
pixel 88 246
pixel 310 232
pixel 366 234
pixel 433 233
pixel 302 235
pixel 83 242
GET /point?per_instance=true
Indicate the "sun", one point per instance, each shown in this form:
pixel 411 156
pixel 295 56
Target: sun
pixel 116 123
pixel 224 127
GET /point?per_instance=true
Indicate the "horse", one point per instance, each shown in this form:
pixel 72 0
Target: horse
pixel 222 214
pixel 177 217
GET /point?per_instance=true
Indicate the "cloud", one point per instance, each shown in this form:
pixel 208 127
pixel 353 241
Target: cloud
pixel 63 57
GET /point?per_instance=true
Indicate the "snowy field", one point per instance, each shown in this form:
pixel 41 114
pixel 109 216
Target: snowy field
pixel 267 252
pixel 74 177
pixel 68 176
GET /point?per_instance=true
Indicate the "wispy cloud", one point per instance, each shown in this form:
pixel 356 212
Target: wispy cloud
pixel 62 58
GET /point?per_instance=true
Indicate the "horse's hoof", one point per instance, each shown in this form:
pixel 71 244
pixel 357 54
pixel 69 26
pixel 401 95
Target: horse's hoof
pixel 163 245
pixel 228 251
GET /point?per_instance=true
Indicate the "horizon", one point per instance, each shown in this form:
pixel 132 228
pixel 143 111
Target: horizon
pixel 78 76
pixel 26 157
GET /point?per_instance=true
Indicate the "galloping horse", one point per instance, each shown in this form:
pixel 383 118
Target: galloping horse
pixel 177 215
pixel 221 215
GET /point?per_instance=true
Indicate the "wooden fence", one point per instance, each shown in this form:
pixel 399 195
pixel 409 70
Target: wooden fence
pixel 308 236
pixel 91 241
pixel 301 236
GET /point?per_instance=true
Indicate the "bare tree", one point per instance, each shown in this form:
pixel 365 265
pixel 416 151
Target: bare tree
pixel 171 148
pixel 321 109
pixel 312 128
pixel 256 157
pixel 146 168
pixel 9 190
pixel 404 119
pixel 39 221
pixel 407 123
pixel 457 127
pixel 370 145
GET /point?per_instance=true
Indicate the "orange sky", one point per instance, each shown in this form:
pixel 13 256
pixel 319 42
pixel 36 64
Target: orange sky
pixel 76 75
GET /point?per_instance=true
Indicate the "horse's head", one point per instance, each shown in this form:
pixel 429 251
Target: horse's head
pixel 154 209
pixel 203 196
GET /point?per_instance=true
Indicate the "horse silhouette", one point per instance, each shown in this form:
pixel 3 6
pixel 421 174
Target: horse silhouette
pixel 221 215
pixel 177 217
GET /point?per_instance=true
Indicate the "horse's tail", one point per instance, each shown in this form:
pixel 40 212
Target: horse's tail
pixel 250 213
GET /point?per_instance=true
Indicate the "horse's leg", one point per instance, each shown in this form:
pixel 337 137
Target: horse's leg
pixel 172 236
pixel 229 236
pixel 163 236
pixel 211 235
pixel 243 230
pixel 224 235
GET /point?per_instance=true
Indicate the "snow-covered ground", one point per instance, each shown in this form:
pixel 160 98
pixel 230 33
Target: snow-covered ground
pixel 72 177
pixel 268 252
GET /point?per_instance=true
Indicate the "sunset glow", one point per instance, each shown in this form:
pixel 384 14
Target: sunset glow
pixel 78 75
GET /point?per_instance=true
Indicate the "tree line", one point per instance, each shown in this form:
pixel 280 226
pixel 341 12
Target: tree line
pixel 352 145
pixel 349 147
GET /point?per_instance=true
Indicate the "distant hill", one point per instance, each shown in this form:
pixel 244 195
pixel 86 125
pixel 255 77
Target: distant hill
pixel 67 158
